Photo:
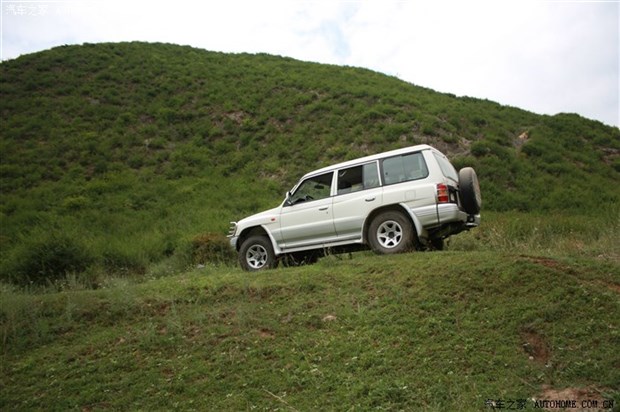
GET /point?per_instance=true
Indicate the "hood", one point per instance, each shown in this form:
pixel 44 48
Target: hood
pixel 262 218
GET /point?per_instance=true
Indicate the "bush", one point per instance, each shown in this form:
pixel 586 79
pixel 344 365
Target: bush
pixel 211 248
pixel 115 260
pixel 464 161
pixel 46 258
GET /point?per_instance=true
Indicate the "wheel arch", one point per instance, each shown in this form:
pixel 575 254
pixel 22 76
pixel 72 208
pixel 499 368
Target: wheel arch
pixel 257 231
pixel 398 207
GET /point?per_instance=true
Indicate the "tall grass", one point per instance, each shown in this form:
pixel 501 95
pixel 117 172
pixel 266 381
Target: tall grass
pixel 587 235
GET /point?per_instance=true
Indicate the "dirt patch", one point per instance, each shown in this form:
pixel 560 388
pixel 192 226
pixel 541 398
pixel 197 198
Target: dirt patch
pixel 613 287
pixel 549 263
pixel 554 264
pixel 535 346
pixel 574 399
pixel 266 334
pixel 544 261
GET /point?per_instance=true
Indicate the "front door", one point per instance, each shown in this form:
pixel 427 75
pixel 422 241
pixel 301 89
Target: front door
pixel 307 218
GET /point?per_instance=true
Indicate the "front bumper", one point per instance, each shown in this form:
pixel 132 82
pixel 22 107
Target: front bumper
pixel 232 235
pixel 233 241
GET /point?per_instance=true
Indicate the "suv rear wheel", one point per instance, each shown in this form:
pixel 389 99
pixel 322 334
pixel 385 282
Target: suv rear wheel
pixel 390 232
pixel 256 253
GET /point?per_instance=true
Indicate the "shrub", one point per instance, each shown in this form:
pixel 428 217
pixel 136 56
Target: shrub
pixel 211 248
pixel 46 258
pixel 483 148
pixel 464 161
pixel 74 203
pixel 118 261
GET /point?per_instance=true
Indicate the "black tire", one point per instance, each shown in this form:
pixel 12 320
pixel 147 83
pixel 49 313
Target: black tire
pixel 256 253
pixel 469 189
pixel 390 232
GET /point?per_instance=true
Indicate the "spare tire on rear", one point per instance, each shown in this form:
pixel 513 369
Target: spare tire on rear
pixel 469 189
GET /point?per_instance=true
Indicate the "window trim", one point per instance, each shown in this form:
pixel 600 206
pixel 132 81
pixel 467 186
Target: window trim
pixel 375 162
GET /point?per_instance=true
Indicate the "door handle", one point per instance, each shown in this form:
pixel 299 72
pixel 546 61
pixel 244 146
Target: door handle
pixel 370 199
pixel 322 209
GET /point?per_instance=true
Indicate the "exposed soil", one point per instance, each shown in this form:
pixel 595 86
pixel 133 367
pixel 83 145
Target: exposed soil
pixel 535 346
pixel 547 262
pixel 586 399
pixel 554 264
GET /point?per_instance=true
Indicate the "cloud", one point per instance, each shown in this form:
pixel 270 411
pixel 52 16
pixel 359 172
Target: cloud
pixel 546 57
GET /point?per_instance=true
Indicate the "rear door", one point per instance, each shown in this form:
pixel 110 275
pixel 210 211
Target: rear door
pixel 358 193
pixel 404 180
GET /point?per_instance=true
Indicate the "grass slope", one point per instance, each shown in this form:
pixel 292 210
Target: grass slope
pixel 431 331
pixel 526 307
pixel 115 156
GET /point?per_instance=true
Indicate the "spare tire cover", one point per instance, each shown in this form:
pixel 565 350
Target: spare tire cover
pixel 469 188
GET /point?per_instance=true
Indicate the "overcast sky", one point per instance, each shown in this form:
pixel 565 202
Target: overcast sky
pixel 542 56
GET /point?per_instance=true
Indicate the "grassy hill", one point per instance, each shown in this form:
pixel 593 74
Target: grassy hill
pixel 116 156
pixel 432 331
pixel 122 164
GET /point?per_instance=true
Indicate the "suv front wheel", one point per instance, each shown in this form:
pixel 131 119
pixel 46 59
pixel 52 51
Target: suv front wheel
pixel 390 232
pixel 256 253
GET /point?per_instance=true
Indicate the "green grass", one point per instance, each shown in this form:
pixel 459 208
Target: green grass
pixel 556 234
pixel 122 164
pixel 433 331
pixel 130 150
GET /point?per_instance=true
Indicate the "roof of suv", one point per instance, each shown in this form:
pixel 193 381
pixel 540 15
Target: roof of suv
pixel 370 158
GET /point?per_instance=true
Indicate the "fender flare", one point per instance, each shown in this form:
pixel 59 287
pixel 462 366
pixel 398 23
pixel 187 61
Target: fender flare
pixel 419 229
pixel 416 222
pixel 274 244
pixel 264 230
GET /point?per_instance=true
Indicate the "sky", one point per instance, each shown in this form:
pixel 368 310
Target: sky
pixel 544 56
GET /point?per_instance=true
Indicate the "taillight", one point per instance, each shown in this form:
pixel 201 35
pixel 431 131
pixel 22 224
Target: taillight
pixel 443 195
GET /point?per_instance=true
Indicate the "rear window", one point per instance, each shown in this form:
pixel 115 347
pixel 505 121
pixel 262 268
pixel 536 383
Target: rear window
pixel 446 167
pixel 404 168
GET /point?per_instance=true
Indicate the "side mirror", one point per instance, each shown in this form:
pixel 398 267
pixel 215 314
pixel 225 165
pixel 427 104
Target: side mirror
pixel 287 199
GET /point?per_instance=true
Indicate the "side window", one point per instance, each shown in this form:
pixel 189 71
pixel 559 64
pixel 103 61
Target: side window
pixel 358 178
pixel 313 188
pixel 404 168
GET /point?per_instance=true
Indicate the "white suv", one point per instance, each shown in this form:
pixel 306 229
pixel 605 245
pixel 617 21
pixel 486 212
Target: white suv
pixel 391 202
